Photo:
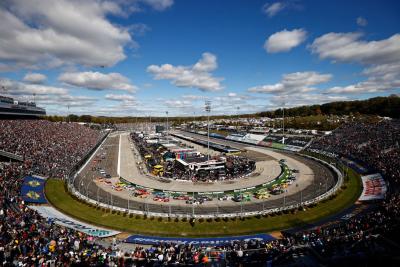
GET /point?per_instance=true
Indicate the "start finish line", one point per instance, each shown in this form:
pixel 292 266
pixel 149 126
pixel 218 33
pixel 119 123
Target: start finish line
pixel 153 240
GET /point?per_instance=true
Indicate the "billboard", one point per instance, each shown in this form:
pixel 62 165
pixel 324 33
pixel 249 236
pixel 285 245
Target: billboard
pixel 211 241
pixel 59 218
pixel 32 190
pixel 374 187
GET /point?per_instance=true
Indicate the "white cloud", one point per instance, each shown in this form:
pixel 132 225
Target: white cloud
pixel 297 82
pixel 381 58
pixel 193 97
pixel 139 29
pixel 50 96
pixel 67 101
pixel 380 78
pixel 120 97
pixel 44 33
pixel 178 104
pixel 19 88
pixel 347 47
pixel 195 76
pixel 97 80
pixel 362 21
pixel 159 5
pixel 284 40
pixel 273 9
pixel 36 78
pixel 293 100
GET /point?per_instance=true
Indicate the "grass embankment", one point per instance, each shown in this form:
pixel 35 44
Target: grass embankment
pixel 58 196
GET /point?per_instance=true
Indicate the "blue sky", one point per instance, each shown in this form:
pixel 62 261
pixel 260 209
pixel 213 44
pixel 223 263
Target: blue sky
pixel 144 57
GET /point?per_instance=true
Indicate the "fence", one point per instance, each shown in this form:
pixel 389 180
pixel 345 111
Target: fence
pixel 190 212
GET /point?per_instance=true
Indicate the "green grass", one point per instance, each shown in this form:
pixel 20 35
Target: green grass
pixel 58 196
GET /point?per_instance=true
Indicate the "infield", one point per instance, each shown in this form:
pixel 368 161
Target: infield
pixel 58 196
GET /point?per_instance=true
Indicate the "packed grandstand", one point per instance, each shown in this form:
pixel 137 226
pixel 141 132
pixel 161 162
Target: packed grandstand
pixel 53 149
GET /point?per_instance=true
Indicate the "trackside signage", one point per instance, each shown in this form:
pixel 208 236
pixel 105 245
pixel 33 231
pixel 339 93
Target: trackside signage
pixel 59 218
pixel 152 240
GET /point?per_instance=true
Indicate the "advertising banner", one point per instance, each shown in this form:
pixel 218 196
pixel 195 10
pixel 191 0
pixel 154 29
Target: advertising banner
pixel 212 241
pixel 61 219
pixel 374 187
pixel 32 190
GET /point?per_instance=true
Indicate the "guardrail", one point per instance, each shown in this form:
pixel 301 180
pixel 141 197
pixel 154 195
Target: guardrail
pixel 81 196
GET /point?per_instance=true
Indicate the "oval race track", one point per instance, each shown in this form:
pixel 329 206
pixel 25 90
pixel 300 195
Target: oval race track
pixel 322 179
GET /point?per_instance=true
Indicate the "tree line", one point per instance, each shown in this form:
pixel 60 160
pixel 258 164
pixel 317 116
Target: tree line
pixel 380 106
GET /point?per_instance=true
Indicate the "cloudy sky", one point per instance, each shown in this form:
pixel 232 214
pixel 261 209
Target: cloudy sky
pixel 146 57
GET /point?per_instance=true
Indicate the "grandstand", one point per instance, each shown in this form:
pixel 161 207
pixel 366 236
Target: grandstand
pixel 357 235
pixel 9 107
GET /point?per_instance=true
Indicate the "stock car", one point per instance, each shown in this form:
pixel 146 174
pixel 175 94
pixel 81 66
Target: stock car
pixel 117 188
pixel 196 201
pixel 142 193
pixel 262 194
pixel 161 199
pixel 205 198
pixel 277 191
pixel 225 197
pixel 181 197
pixel 241 197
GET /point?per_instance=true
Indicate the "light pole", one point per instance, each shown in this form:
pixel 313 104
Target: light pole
pixel 283 123
pixel 111 203
pixel 87 189
pixel 326 184
pixel 208 110
pixel 80 188
pixel 194 120
pixel 301 197
pixel 167 127
pixel 193 205
pixel 237 124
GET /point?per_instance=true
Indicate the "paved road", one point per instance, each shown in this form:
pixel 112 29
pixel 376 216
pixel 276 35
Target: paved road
pixel 323 179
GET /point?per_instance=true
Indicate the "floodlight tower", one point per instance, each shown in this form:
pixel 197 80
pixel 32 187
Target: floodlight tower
pixel 194 120
pixel 208 110
pixel 237 124
pixel 283 123
pixel 166 112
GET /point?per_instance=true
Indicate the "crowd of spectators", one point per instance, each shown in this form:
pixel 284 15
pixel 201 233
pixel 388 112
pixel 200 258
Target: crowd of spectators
pixel 26 239
pixel 51 149
pixel 374 145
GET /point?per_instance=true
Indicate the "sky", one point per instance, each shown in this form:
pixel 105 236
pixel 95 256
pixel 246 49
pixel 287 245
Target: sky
pixel 150 57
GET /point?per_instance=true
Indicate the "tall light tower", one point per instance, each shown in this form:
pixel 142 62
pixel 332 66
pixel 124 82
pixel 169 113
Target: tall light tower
pixel 237 124
pixel 283 123
pixel 194 120
pixel 208 110
pixel 166 112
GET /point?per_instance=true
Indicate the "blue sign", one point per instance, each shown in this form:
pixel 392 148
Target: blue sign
pixel 32 190
pixel 211 241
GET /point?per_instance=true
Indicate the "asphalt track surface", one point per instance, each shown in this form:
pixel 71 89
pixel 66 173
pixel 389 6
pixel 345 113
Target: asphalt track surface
pixel 323 180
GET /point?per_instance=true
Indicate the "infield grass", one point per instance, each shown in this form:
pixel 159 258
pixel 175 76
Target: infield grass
pixel 58 196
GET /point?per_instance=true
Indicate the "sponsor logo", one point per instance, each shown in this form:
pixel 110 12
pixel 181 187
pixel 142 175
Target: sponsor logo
pixel 33 195
pixel 34 183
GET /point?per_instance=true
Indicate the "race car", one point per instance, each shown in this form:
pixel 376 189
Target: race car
pixel 262 195
pixel 181 197
pixel 161 199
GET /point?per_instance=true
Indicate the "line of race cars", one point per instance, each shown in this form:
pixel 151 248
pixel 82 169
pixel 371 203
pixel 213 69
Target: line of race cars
pixel 159 196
